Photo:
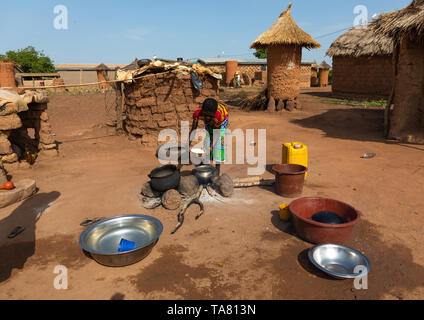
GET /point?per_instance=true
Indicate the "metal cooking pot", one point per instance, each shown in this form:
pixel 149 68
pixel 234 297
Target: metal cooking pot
pixel 204 173
pixel 165 178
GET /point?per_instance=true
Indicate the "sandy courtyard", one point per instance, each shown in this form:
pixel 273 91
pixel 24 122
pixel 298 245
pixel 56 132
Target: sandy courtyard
pixel 239 249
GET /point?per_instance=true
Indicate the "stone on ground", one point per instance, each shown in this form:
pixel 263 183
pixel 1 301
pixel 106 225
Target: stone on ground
pixel 23 189
pixel 171 199
pixel 188 185
pixel 147 191
pixel 224 185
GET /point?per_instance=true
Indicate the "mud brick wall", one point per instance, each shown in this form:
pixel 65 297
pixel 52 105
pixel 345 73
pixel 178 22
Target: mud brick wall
pixel 250 73
pixel 362 78
pixel 407 122
pixel 159 101
pixel 305 76
pixel 7 74
pixel 14 136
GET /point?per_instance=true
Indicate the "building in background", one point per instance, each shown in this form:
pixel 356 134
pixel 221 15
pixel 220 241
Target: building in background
pixel 36 79
pixel 284 42
pixel 362 65
pixel 252 71
pixel 84 73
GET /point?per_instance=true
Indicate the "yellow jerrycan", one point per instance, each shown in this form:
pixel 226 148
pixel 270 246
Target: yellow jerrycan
pixel 295 153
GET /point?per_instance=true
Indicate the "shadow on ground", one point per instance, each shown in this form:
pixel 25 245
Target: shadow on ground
pixel 320 94
pixel 393 270
pixel 15 252
pixel 352 124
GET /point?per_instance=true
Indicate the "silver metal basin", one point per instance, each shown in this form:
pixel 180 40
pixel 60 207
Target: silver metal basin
pixel 101 240
pixel 338 261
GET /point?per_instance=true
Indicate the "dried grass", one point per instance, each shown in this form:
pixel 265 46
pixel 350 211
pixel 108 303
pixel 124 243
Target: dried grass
pixel 408 22
pixel 258 102
pixel 360 41
pixel 285 31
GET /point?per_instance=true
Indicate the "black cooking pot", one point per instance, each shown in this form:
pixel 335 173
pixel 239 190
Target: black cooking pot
pixel 165 178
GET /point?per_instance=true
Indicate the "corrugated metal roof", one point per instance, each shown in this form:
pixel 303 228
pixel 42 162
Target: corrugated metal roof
pixel 38 74
pixel 85 66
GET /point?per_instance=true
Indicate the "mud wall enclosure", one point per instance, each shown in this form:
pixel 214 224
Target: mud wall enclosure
pixel 15 138
pixel 363 77
pixel 408 115
pixel 158 101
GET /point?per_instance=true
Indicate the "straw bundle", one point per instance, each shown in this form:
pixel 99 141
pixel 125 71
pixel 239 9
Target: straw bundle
pixel 361 42
pixel 408 22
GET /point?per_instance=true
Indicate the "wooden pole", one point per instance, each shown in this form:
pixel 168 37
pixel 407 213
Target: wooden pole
pixel 387 111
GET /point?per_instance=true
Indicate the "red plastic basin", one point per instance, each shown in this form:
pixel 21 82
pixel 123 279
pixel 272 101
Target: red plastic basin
pixel 304 208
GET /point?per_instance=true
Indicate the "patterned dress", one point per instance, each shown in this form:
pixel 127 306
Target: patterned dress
pixel 220 121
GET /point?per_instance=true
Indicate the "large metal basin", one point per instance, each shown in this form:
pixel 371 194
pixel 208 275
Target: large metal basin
pixel 339 261
pixel 101 240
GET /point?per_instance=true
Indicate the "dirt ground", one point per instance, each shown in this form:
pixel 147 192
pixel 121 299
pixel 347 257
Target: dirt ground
pixel 237 250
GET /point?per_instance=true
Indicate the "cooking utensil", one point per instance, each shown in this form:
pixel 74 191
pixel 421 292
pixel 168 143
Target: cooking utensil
pixel 165 178
pixel 204 173
pixel 338 261
pixel 102 239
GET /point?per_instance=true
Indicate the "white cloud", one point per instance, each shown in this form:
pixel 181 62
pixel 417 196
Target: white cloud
pixel 135 34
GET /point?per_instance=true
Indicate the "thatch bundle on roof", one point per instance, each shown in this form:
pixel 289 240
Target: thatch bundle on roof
pixel 360 41
pixel 285 31
pixel 408 22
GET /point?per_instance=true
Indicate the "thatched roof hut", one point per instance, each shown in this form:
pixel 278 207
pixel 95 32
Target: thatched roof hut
pixel 284 42
pixel 285 31
pixel 406 28
pixel 362 65
pixel 360 41
pixel 405 23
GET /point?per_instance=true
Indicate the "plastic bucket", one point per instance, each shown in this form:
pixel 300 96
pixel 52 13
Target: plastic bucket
pixel 284 212
pixel 289 179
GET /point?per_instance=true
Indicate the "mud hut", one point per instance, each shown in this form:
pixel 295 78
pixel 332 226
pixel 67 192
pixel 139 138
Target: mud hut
pixel 324 72
pixel 284 42
pixel 406 28
pixel 102 76
pixel 362 65
pixel 314 74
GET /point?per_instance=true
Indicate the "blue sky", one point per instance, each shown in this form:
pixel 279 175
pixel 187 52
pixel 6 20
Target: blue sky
pixel 119 31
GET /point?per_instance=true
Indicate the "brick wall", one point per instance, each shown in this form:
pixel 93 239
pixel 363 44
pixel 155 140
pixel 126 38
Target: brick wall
pixel 362 78
pixel 158 101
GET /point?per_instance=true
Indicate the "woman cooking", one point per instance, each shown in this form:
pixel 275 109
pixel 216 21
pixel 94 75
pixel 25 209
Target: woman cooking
pixel 215 116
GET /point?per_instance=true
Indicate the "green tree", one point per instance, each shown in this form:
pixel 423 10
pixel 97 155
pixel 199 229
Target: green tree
pixel 261 53
pixel 30 60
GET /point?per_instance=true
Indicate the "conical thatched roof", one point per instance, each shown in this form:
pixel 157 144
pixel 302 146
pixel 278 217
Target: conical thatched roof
pixel 361 41
pixel 406 22
pixel 324 65
pixel 102 67
pixel 285 31
pixel 315 65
